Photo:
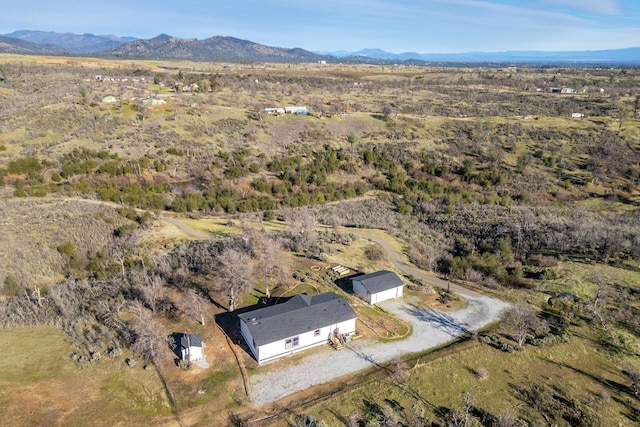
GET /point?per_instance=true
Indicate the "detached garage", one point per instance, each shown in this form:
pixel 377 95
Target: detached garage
pixel 377 287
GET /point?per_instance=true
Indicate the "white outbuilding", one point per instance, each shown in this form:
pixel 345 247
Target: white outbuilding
pixel 377 287
pixel 190 347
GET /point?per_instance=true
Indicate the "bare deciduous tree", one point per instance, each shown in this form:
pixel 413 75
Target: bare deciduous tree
pixel 150 338
pixel 302 229
pixel 195 305
pixel 521 320
pixel 272 262
pixel 600 299
pixel 234 274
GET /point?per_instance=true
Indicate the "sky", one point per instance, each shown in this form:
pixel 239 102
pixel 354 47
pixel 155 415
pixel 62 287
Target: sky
pixel 423 26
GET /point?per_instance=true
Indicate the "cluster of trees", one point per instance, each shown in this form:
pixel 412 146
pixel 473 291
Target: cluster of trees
pixel 91 310
pixel 492 244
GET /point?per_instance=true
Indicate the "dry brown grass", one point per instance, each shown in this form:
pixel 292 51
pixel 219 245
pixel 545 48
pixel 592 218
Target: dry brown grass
pixel 32 229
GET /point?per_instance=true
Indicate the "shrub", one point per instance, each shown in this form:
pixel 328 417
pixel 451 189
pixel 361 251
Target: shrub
pixel 482 373
pixel 11 286
pixel 67 248
pixel 184 364
pixel 374 252
pixel 24 165
pixel 114 352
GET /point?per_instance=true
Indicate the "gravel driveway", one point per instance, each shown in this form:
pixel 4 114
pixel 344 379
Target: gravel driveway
pixel 430 329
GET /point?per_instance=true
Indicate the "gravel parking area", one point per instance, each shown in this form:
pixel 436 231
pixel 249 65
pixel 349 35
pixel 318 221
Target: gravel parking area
pixel 430 329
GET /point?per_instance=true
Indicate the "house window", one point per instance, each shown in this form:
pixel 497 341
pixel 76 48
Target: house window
pixel 291 342
pixel 316 333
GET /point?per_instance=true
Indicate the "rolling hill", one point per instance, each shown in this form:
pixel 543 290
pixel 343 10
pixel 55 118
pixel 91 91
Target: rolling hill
pixel 71 43
pixel 13 45
pixel 213 48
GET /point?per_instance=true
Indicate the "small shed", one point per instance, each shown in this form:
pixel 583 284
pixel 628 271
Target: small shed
pixel 377 287
pixel 190 347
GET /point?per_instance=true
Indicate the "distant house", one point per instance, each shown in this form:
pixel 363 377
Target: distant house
pixel 302 322
pixel 377 287
pixel 577 115
pixel 568 90
pixel 296 110
pixel 190 347
pixel 153 101
pixel 276 110
pixel 109 99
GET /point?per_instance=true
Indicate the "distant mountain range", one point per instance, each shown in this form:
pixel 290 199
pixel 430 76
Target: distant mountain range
pixel 69 42
pixel 221 48
pixel 617 56
pixel 216 48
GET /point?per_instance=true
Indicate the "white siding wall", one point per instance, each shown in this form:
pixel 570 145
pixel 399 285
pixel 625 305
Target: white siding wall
pixel 385 295
pixel 248 338
pixel 306 340
pixel 196 353
pixel 377 297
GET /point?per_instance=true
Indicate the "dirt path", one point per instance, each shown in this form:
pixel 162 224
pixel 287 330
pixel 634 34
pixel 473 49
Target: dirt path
pixel 187 229
pixel 400 261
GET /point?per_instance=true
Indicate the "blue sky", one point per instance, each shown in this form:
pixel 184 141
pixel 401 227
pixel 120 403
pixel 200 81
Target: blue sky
pixel 424 26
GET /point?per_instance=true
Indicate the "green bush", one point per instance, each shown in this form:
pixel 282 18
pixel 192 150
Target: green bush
pixel 11 286
pixel 24 165
pixel 67 248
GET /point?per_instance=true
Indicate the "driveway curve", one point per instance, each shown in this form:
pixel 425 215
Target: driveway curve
pixel 431 328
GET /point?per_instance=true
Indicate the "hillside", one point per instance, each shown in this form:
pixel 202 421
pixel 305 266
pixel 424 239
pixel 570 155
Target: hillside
pixel 13 45
pixel 71 43
pixel 216 48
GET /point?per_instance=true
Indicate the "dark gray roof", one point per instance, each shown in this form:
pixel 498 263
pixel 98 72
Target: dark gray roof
pixel 379 281
pixel 300 314
pixel 194 339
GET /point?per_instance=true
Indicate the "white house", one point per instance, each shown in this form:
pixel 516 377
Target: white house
pixel 577 115
pixel 296 110
pixel 302 322
pixel 275 110
pixel 190 347
pixel 377 287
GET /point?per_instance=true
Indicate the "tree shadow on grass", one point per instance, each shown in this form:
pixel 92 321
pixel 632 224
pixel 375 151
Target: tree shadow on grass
pixel 633 413
pixel 439 320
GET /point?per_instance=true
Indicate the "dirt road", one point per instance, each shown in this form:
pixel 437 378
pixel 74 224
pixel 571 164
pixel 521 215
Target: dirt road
pixel 400 261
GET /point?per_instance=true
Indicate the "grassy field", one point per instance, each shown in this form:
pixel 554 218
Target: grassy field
pixel 438 382
pixel 40 386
